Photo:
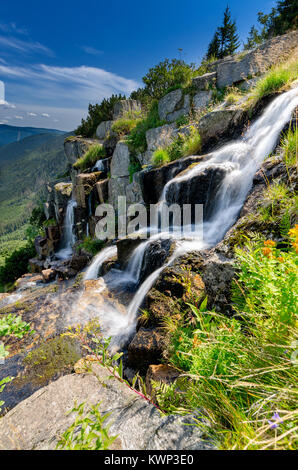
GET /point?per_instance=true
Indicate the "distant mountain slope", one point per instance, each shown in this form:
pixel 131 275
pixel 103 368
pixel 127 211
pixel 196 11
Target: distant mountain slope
pixel 10 134
pixel 25 166
pixel 16 150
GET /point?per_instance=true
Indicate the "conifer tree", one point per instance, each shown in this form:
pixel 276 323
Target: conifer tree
pixel 225 40
pixel 214 46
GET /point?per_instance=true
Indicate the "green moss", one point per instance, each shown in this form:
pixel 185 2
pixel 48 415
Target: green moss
pixel 50 359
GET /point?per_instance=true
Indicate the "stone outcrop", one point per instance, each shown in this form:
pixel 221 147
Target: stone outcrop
pixel 120 160
pixel 84 183
pixel 173 105
pixel 160 136
pixel 76 147
pixel 198 187
pixel 124 107
pixel 146 348
pixel 204 82
pixel 154 180
pixel 117 187
pixel 104 130
pixel 38 422
pixel 220 123
pixel 201 100
pixel 257 61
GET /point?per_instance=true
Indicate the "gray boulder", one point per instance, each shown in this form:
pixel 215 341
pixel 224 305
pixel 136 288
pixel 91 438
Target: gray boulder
pixel 117 187
pixel 204 82
pixel 160 137
pixel 173 105
pixel 201 100
pixel 220 122
pixel 120 160
pixel 38 422
pixel 123 107
pixel 104 130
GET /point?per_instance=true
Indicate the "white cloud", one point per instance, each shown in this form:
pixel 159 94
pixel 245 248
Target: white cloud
pixel 24 46
pixel 63 93
pixel 19 117
pixel 46 115
pixel 12 28
pixel 31 114
pixel 91 50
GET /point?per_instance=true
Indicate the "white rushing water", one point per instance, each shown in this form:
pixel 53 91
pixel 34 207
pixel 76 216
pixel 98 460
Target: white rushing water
pixel 68 238
pixel 104 255
pixel 240 159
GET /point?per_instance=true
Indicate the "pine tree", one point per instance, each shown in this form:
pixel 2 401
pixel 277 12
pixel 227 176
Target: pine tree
pixel 214 47
pixel 229 39
pixel 225 40
pixel 287 19
pixel 254 38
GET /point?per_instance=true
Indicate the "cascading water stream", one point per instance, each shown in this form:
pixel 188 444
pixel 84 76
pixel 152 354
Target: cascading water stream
pixel 104 255
pixel 240 160
pixel 68 236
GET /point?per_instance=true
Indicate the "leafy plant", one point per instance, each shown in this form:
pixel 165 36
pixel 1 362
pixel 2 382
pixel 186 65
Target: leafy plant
pixel 13 325
pixel 88 431
pixel 137 137
pixel 133 168
pixel 94 153
pixel 124 126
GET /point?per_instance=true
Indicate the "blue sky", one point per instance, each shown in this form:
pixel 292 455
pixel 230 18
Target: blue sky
pixel 57 56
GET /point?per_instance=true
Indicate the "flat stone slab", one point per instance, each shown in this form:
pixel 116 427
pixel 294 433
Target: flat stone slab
pixel 37 422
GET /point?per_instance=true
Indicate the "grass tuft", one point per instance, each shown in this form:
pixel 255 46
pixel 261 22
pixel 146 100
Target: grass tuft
pixel 89 159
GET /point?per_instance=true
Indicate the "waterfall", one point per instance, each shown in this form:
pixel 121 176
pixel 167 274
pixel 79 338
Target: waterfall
pixel 240 161
pixel 104 255
pixel 68 236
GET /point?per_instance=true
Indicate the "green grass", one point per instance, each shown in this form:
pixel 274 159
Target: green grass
pixel 242 371
pixel 183 146
pixel 94 153
pixel 289 145
pixel 277 78
pixel 124 126
pixel 91 246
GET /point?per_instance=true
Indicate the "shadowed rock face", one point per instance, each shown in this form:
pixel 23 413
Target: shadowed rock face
pixel 153 181
pixel 197 189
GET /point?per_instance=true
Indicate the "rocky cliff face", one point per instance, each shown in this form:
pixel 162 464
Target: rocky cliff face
pixel 197 274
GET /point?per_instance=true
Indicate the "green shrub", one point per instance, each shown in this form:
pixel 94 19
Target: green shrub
pixel 96 114
pixel 16 264
pixel 167 75
pixel 137 138
pixel 133 168
pixel 89 159
pixel 90 245
pixel 50 223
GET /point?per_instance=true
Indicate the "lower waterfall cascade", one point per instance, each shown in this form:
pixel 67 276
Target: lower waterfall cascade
pixel 68 238
pixel 240 159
